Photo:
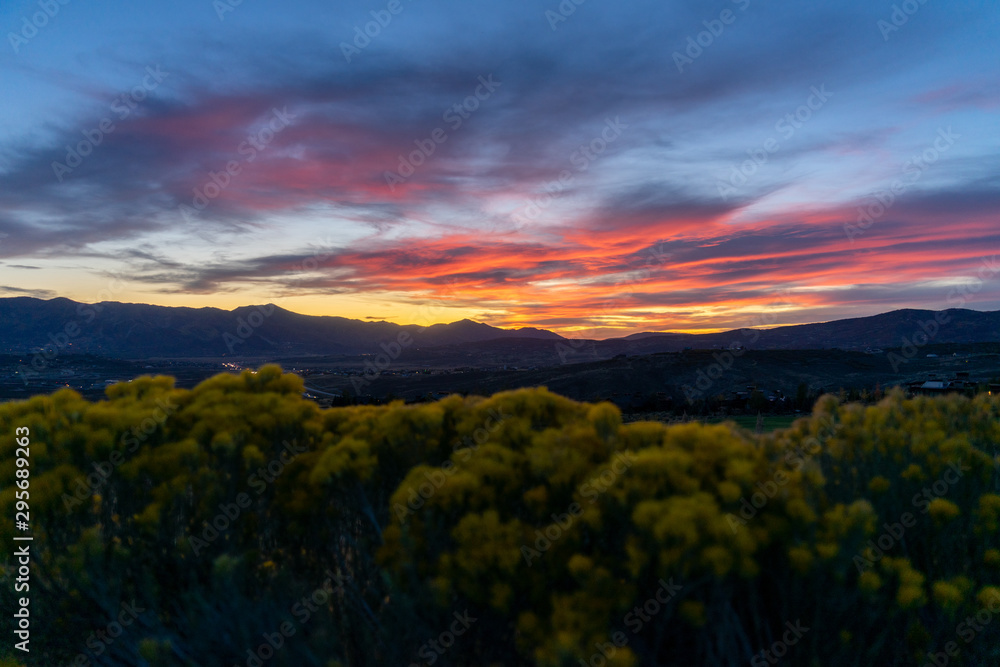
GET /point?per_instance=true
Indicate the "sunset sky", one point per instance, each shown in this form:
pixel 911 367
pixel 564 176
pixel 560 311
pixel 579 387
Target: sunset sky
pixel 609 167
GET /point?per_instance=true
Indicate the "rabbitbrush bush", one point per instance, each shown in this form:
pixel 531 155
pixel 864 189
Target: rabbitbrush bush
pixel 251 525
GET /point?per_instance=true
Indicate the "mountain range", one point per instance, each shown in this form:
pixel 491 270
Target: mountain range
pixel 139 331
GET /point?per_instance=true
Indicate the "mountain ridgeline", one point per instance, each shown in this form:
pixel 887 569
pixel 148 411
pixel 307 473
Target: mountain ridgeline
pixel 140 331
pixel 144 331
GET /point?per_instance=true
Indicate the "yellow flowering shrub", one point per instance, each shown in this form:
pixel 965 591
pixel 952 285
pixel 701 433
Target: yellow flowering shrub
pixel 568 535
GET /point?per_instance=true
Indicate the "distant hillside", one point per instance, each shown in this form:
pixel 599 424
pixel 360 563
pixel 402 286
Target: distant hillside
pixel 885 331
pixel 877 331
pixel 142 331
pixel 888 330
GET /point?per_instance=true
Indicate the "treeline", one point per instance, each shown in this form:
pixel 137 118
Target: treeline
pixel 240 524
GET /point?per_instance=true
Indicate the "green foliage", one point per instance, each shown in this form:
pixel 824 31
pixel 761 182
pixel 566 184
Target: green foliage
pixel 220 509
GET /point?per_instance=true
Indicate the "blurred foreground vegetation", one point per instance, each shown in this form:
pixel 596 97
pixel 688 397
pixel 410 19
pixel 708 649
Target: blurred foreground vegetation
pixel 240 524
